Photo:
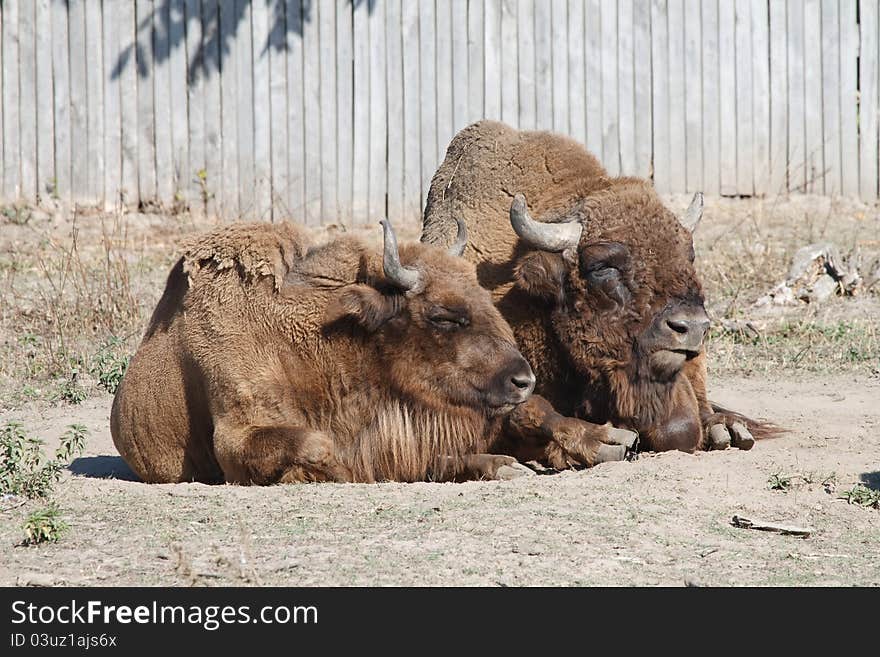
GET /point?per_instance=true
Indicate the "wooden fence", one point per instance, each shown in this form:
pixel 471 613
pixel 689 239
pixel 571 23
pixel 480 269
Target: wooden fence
pixel 340 110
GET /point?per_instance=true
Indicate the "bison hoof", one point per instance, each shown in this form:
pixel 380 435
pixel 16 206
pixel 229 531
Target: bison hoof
pixel 513 471
pixel 625 437
pixel 741 436
pixel 608 453
pixel 719 437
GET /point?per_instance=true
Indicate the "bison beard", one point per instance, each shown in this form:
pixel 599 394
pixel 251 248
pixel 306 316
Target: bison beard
pixel 268 360
pixel 600 290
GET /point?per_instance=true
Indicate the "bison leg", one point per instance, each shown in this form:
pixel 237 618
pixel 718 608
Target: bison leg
pixel 542 434
pixel 277 454
pixel 474 467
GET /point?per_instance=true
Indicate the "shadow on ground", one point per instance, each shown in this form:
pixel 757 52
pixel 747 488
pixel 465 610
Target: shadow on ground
pixel 102 467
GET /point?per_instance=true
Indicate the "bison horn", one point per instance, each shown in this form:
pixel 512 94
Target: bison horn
pixel 403 277
pixel 461 238
pixel 547 237
pixel 694 213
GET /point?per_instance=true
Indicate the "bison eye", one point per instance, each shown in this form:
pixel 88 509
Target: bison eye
pixel 447 319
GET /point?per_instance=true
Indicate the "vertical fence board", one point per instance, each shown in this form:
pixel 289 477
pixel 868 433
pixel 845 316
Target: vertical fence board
pixel 830 64
pixel 129 105
pixel 213 109
pixel 642 81
pixel 28 91
pixel 166 183
pixel 361 152
pixel 760 96
pixel 677 109
pixel 626 87
pixel 525 17
pixel 475 37
pixel 459 65
pixel 711 106
pixel 394 77
pixel 577 77
pixel 45 136
pixel 244 69
pixel 443 53
pixel 146 142
pixel 543 66
pixel 492 61
pixel 814 146
pixel 262 111
pixel 509 63
pixel 779 98
pixel 11 183
pixel 411 117
pixel 849 117
pixel 183 181
pixel 796 128
pixel 195 103
pixel 344 108
pixel 660 100
pixel 428 94
pixel 727 96
pixel 868 100
pixel 745 181
pixel 112 146
pixel 693 87
pixel 378 118
pixel 229 203
pixel 2 169
pixel 559 50
pixel 312 114
pixel 326 121
pixel 610 111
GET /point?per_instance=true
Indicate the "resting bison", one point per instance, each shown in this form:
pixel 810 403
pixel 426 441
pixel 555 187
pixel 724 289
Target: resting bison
pixel 267 361
pixel 600 290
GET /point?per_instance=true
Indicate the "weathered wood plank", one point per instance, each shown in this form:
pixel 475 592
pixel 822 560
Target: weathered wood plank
pixel 45 123
pixel 112 144
pixel 166 176
pixel 183 175
pixel 327 118
pixel 79 119
pixel 475 37
pixel 229 200
pixel 460 113
pixel 779 98
pixel 11 103
pixel 27 63
pixel 396 132
pixel 526 64
pixel 243 53
pixel 493 52
pixel 543 66
pixel 727 96
pixel 761 96
pixel 677 112
pixel 412 180
pixel 509 64
pixel 559 52
pixel 295 198
pixel 378 114
pixel 830 53
pixel 849 113
pixel 693 88
pixel 445 112
pixel 428 92
pixel 344 108
pixel 745 179
pixel 625 87
pixel 577 76
pixel 797 174
pixel 262 111
pixel 869 124
pixel 610 107
pixel 361 128
pixel 813 97
pixel 642 76
pixel 660 87
pixel 195 104
pixel 146 137
pixel 125 73
pixel 211 178
pixel 312 113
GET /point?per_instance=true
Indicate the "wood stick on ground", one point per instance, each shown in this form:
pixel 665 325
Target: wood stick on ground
pixel 763 525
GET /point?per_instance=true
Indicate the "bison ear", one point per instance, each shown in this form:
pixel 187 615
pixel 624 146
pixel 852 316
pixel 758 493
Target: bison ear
pixel 364 304
pixel 542 274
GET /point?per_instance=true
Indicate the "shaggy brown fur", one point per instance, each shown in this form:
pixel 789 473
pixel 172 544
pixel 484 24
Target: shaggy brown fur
pixel 268 361
pixel 583 335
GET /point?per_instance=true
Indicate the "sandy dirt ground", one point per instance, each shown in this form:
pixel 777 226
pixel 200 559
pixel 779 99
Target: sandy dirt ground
pixel 661 520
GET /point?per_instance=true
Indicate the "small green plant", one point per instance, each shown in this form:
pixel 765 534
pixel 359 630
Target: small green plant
pixel 17 215
pixel 202 178
pixel 24 469
pixel 863 496
pixel 109 364
pixel 779 481
pixel 71 391
pixel 44 526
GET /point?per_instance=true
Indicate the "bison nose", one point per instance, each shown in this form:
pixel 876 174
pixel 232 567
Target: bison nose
pixel 687 329
pixel 520 384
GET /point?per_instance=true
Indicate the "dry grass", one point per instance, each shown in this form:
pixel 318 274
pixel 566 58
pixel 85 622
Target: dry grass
pixel 78 289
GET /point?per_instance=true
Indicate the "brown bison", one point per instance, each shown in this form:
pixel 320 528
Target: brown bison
pixel 268 361
pixel 597 279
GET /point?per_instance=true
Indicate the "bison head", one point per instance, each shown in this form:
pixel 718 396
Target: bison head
pixel 443 339
pixel 627 306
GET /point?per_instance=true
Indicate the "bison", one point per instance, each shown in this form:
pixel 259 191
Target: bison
pixel 596 276
pixel 267 360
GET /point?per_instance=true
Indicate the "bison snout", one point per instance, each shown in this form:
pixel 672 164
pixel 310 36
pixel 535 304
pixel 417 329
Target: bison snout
pixel 513 385
pixel 686 329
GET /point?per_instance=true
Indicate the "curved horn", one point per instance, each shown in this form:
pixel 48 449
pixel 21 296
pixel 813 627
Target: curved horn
pixel 395 272
pixel 694 213
pixel 461 238
pixel 547 237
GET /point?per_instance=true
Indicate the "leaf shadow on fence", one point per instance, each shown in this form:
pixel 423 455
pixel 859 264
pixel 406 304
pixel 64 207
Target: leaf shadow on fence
pixel 165 28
